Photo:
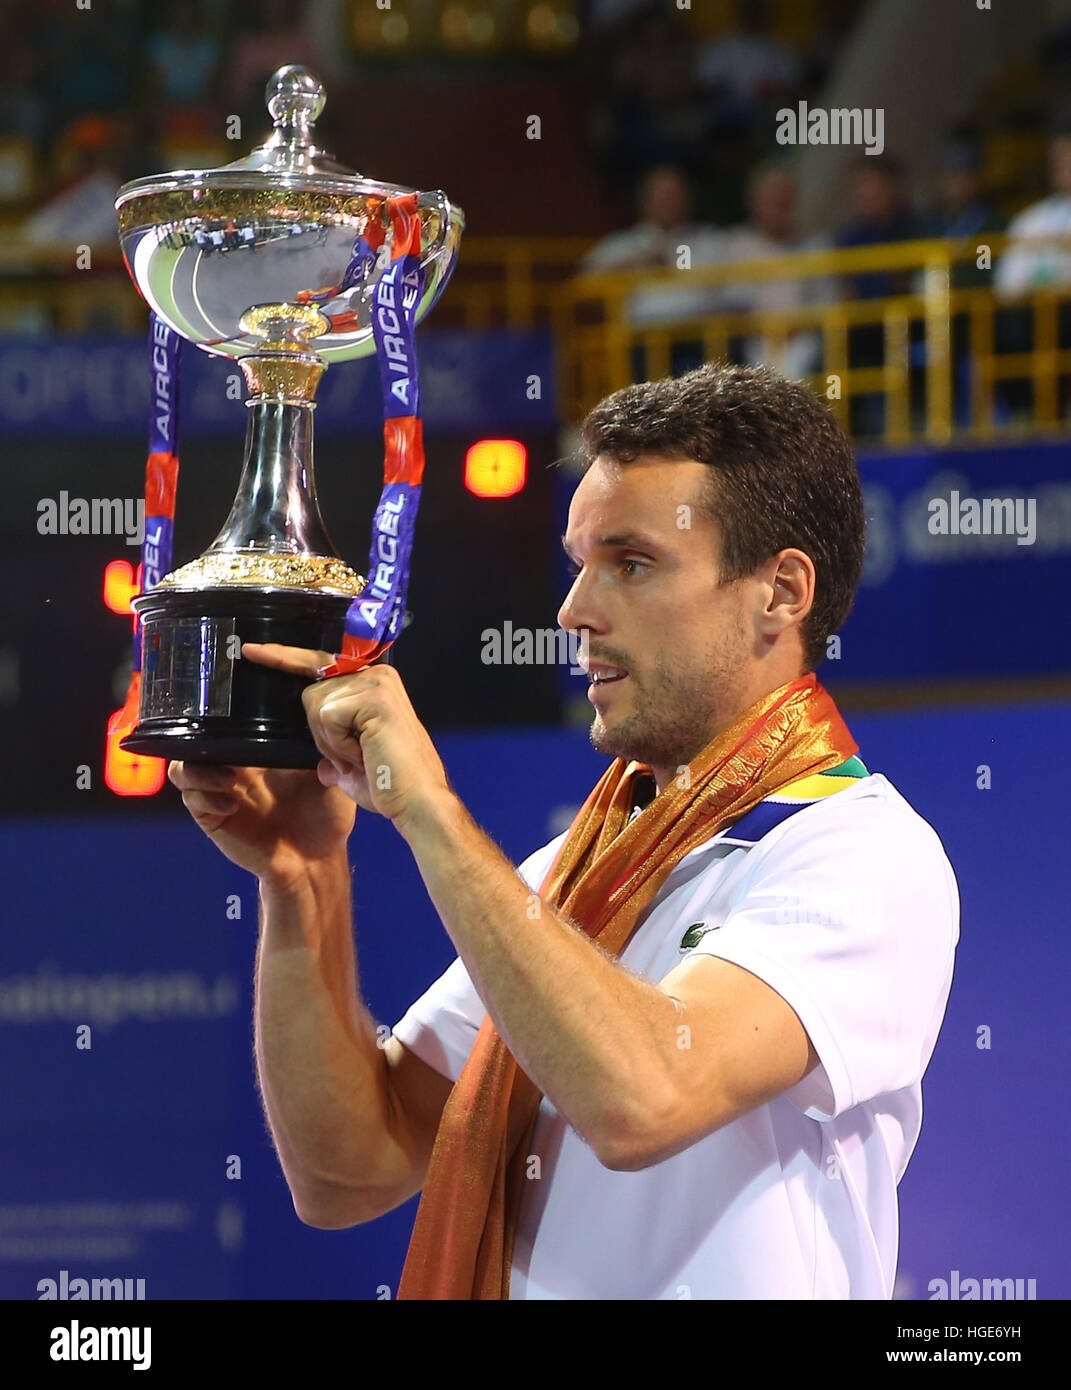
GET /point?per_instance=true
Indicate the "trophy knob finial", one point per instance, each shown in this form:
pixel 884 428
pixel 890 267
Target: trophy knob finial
pixel 295 97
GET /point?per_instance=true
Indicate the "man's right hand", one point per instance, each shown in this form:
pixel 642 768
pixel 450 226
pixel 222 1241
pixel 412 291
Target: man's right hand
pixel 275 822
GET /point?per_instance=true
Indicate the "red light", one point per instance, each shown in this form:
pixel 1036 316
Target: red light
pixel 130 774
pixel 121 583
pixel 127 774
pixel 496 467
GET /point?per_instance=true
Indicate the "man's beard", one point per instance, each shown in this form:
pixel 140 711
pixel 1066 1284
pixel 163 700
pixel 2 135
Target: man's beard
pixel 669 728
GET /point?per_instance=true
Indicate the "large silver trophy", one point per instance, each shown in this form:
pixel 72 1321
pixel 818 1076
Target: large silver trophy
pixel 229 258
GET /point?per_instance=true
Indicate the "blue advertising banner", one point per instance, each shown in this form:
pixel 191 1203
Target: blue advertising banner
pixel 99 386
pixel 962 545
pixel 134 1146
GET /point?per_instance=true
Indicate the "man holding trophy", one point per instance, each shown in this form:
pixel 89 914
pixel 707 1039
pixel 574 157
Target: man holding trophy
pixel 679 1053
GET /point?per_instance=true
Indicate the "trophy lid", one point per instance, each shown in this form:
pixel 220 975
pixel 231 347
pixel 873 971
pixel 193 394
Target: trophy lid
pixel 289 158
pixel 279 226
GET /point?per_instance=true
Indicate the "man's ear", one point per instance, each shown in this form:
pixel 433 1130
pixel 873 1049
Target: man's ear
pixel 792 580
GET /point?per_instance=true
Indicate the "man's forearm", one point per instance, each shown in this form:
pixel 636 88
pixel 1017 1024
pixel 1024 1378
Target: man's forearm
pixel 322 1076
pixel 596 1039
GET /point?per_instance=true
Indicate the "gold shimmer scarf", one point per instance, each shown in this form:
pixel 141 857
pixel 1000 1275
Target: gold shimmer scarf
pixel 603 877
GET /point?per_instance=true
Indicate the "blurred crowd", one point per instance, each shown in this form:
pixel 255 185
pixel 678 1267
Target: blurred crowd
pixel 879 210
pixel 680 124
pixel 690 130
pixel 98 96
pixel 706 106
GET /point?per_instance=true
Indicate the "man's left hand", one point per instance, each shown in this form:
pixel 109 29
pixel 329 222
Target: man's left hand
pixel 374 747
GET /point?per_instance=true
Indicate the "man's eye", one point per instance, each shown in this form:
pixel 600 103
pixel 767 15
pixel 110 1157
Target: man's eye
pixel 637 566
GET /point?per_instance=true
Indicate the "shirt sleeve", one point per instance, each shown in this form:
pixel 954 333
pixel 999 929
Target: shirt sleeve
pixel 441 1026
pixel 614 252
pixel 1015 270
pixel 854 924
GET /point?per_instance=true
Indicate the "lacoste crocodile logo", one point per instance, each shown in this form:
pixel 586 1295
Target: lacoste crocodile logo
pixel 694 933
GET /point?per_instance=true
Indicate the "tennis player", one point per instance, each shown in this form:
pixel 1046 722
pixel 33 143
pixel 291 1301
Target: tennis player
pixel 679 1053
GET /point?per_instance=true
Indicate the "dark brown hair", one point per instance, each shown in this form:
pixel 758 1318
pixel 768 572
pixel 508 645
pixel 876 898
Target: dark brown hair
pixel 782 473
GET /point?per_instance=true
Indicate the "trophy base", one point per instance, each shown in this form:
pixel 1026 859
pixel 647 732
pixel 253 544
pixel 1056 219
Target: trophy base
pixel 200 702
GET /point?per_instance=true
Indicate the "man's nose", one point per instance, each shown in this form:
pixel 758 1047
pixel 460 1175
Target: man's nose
pixel 578 610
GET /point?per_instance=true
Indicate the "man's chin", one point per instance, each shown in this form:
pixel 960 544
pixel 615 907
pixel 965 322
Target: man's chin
pixel 602 740
pixel 613 742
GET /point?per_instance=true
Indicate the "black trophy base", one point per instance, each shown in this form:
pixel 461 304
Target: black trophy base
pixel 201 701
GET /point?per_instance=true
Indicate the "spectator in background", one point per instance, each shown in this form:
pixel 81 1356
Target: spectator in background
pixel 771 231
pixel 962 208
pixel 82 211
pixel 1025 267
pixel 746 70
pixel 664 227
pixel 652 111
pixel 91 61
pixel 771 225
pixel 184 56
pixel 884 212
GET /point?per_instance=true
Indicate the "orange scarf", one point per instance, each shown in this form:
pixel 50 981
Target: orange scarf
pixel 602 878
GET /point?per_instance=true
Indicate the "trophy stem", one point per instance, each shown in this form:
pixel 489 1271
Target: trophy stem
pixel 276 508
pixel 271 575
pixel 275 535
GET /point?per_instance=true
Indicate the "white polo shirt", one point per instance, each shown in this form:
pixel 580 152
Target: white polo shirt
pixel 850 910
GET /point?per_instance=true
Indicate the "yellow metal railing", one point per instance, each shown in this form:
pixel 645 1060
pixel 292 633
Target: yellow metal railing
pixel 946 363
pixel 510 282
pixel 947 357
